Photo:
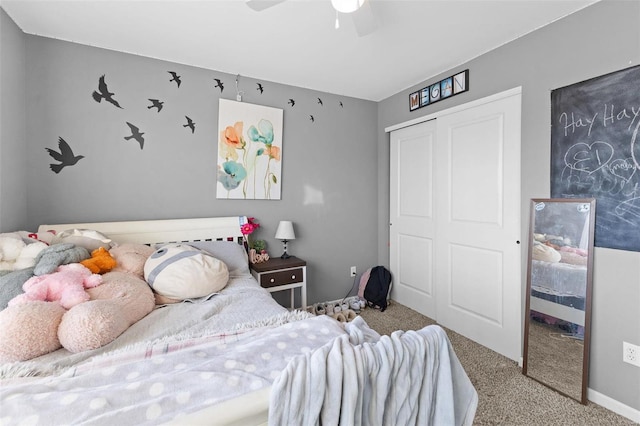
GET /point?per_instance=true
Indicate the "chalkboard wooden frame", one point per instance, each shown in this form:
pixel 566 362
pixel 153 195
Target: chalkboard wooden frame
pixel 595 152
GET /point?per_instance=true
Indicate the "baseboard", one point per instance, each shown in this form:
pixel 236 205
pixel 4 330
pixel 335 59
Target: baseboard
pixel 613 405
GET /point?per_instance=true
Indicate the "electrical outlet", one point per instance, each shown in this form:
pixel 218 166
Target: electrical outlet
pixel 631 354
pixel 353 271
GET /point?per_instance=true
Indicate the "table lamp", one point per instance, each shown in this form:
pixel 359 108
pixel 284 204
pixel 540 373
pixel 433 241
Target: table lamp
pixel 285 233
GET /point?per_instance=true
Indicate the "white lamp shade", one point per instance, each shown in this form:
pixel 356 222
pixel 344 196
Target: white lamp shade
pixel 285 231
pixel 347 6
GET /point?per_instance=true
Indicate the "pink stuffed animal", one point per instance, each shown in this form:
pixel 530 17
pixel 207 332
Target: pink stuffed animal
pixel 66 285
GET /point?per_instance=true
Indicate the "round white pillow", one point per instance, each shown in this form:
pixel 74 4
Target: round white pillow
pixel 179 271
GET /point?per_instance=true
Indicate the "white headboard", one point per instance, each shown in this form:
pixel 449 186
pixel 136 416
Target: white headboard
pixel 162 231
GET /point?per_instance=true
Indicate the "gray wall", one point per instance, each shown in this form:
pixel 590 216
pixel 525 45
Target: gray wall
pixel 597 40
pixel 13 147
pixel 328 166
pixel 343 155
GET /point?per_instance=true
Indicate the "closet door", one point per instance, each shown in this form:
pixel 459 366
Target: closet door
pixel 455 220
pixel 411 217
pixel 478 254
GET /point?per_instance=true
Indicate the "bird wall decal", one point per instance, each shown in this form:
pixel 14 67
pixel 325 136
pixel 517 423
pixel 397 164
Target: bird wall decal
pixel 103 93
pixel 190 123
pixel 219 84
pixel 260 88
pixel 135 134
pixel 155 103
pixel 291 102
pixel 66 157
pixel 341 106
pixel 175 77
pixel 312 119
pixel 320 101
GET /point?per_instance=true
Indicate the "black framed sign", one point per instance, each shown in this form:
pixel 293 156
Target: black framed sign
pixel 443 89
pixel 595 152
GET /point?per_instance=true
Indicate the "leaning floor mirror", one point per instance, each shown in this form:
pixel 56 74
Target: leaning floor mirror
pixel 558 306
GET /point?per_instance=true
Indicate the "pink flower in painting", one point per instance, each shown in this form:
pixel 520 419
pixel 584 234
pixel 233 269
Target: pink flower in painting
pixel 273 152
pixel 233 135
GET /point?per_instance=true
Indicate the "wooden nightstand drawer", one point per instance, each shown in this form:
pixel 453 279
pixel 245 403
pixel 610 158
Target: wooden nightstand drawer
pixel 272 279
pixel 277 274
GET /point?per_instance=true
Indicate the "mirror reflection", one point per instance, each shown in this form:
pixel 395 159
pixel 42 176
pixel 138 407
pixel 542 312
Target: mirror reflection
pixel 558 294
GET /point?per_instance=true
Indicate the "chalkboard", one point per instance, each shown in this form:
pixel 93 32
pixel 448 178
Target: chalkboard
pixel 595 152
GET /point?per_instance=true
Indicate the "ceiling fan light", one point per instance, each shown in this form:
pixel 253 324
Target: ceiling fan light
pixel 347 6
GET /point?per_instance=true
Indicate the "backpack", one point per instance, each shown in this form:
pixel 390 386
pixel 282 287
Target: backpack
pixel 375 286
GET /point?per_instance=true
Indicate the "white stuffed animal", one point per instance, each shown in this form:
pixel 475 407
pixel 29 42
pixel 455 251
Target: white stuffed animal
pixel 16 254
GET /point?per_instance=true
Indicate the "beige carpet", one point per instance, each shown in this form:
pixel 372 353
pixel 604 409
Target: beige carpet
pixel 506 397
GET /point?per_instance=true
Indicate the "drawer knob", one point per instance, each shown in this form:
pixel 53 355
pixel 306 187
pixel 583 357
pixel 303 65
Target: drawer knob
pixel 293 277
pixel 273 280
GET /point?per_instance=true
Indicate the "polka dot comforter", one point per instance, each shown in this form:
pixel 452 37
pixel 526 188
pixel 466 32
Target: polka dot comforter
pixel 156 376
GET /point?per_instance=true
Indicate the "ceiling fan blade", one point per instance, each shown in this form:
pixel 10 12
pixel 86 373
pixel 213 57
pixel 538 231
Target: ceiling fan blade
pixel 364 19
pixel 260 5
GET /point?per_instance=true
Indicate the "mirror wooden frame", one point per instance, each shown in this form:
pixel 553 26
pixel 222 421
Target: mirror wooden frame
pixel 564 314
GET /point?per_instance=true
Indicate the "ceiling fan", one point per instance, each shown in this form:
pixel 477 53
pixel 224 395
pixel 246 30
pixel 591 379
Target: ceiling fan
pixel 359 11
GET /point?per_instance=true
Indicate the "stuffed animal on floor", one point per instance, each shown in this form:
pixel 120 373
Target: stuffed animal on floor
pixel 67 286
pixel 100 261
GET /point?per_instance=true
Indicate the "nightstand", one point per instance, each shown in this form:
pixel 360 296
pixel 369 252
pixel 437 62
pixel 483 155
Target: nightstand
pixel 277 274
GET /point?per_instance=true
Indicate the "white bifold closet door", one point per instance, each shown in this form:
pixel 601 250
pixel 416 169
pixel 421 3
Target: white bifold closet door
pixel 455 221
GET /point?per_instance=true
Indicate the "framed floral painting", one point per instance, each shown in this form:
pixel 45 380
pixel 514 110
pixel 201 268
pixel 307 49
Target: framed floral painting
pixel 249 151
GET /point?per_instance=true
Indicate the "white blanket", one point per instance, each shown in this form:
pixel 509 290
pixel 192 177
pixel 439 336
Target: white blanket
pixel 408 378
pixel 163 381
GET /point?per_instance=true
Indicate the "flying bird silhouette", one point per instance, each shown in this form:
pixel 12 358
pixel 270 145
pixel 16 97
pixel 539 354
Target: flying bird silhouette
pixel 341 106
pixel 175 78
pixel 65 156
pixel 135 134
pixel 312 119
pixel 190 124
pixel 260 88
pixel 291 102
pixel 103 93
pixel 320 101
pixel 219 84
pixel 156 104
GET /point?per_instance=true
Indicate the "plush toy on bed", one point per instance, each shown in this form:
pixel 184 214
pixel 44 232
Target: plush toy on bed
pixel 87 238
pixel 119 302
pixel 67 286
pixel 177 272
pixel 131 257
pixel 100 262
pixel 16 253
pixel 55 255
pixel 37 328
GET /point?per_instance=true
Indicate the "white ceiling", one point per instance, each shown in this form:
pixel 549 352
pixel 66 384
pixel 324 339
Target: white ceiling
pixel 295 42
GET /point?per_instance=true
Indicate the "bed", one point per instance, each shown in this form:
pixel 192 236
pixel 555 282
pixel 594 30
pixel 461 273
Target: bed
pixel 238 358
pixel 558 290
pixel 558 278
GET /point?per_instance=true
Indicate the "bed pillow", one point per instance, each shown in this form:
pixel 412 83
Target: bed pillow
pixel 180 271
pixel 231 253
pixel 87 238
